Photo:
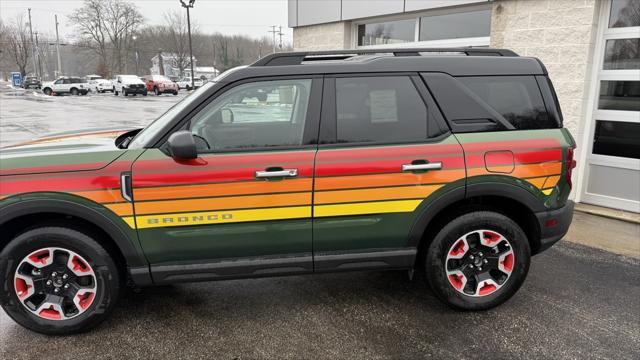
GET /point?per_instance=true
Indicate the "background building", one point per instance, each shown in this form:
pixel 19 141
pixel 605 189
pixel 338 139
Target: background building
pixel 591 49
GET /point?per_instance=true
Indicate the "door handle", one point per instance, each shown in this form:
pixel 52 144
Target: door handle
pixel 283 173
pixel 427 166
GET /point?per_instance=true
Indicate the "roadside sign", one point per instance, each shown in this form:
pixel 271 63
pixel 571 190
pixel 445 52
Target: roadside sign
pixel 16 79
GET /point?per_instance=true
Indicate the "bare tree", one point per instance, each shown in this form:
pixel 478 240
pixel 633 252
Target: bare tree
pixel 18 44
pixel 106 26
pixel 178 37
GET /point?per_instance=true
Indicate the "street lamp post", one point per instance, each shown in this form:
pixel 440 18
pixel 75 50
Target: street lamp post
pixel 187 6
pixel 135 50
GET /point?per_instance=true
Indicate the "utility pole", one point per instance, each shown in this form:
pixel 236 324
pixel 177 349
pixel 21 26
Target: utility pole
pixel 280 34
pixel 213 45
pixel 190 5
pixel 38 54
pixel 273 32
pixel 58 48
pixel 33 53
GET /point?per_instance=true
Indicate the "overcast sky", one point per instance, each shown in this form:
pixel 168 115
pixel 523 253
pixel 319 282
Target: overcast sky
pixel 248 17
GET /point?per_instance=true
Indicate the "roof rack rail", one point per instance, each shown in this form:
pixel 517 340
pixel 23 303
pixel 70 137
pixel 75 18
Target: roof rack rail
pixel 297 58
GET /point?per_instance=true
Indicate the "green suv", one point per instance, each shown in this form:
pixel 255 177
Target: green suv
pixel 450 161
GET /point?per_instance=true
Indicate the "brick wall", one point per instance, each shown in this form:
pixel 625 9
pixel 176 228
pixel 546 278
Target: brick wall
pixel 329 36
pixel 561 33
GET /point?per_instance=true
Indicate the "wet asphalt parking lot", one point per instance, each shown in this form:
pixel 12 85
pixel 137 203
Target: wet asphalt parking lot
pixel 577 302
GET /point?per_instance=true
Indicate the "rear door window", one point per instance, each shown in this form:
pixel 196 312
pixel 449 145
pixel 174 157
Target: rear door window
pixel 517 98
pixel 384 109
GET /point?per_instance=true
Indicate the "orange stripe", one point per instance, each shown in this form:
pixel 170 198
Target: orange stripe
pixel 525 171
pixel 379 180
pixel 551 181
pixel 345 196
pixel 538 182
pixel 213 204
pixel 102 196
pixel 205 190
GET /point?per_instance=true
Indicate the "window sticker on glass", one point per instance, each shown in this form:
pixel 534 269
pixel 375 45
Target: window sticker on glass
pixel 383 106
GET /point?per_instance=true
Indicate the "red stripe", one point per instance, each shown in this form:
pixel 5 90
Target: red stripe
pixel 106 178
pixel 207 176
pixel 511 145
pixel 386 166
pixel 61 184
pixel 528 157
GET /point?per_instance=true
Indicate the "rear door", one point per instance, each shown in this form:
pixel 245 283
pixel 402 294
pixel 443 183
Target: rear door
pixel 385 154
pixel 244 205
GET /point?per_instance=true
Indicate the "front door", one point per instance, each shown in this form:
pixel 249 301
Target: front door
pixel 245 202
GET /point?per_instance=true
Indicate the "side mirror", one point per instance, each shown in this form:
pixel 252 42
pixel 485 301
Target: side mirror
pixel 182 145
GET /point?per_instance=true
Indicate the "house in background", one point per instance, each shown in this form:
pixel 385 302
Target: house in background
pixel 208 72
pixel 589 47
pixel 167 64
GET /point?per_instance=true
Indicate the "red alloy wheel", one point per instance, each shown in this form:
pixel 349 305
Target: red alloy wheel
pixel 55 283
pixel 479 263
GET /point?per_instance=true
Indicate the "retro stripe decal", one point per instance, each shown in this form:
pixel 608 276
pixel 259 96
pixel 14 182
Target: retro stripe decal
pixel 348 181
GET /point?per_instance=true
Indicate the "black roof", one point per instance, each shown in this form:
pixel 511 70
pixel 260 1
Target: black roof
pixel 453 61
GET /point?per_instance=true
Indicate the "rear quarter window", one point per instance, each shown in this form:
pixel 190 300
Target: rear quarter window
pixel 517 98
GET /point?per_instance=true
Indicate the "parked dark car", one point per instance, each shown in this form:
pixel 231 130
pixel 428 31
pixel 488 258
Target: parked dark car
pixel 31 82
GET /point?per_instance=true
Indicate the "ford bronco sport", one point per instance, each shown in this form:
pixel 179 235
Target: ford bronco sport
pixel 451 161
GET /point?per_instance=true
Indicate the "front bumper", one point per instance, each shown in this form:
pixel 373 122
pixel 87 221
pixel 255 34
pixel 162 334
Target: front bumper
pixel 554 225
pixel 140 90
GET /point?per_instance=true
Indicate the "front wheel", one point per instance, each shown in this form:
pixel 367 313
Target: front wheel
pixel 478 260
pixel 115 92
pixel 59 281
pixel 156 91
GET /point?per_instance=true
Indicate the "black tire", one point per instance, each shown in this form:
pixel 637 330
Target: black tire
pixel 108 279
pixel 156 91
pixel 175 93
pixel 124 93
pixel 144 93
pixel 188 88
pixel 74 91
pixel 444 241
pixel 115 92
pixel 47 91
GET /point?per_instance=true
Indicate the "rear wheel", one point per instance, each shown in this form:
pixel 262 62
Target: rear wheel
pixel 156 91
pixel 478 261
pixel 74 91
pixel 59 281
pixel 47 91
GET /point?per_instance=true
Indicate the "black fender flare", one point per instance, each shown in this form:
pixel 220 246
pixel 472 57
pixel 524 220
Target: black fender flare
pixel 133 257
pixel 499 189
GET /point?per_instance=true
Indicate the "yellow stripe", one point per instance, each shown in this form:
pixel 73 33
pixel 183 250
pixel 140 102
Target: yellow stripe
pixel 218 217
pixel 377 207
pixel 547 191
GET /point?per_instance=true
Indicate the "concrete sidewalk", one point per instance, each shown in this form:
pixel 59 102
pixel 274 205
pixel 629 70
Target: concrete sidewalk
pixel 601 228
